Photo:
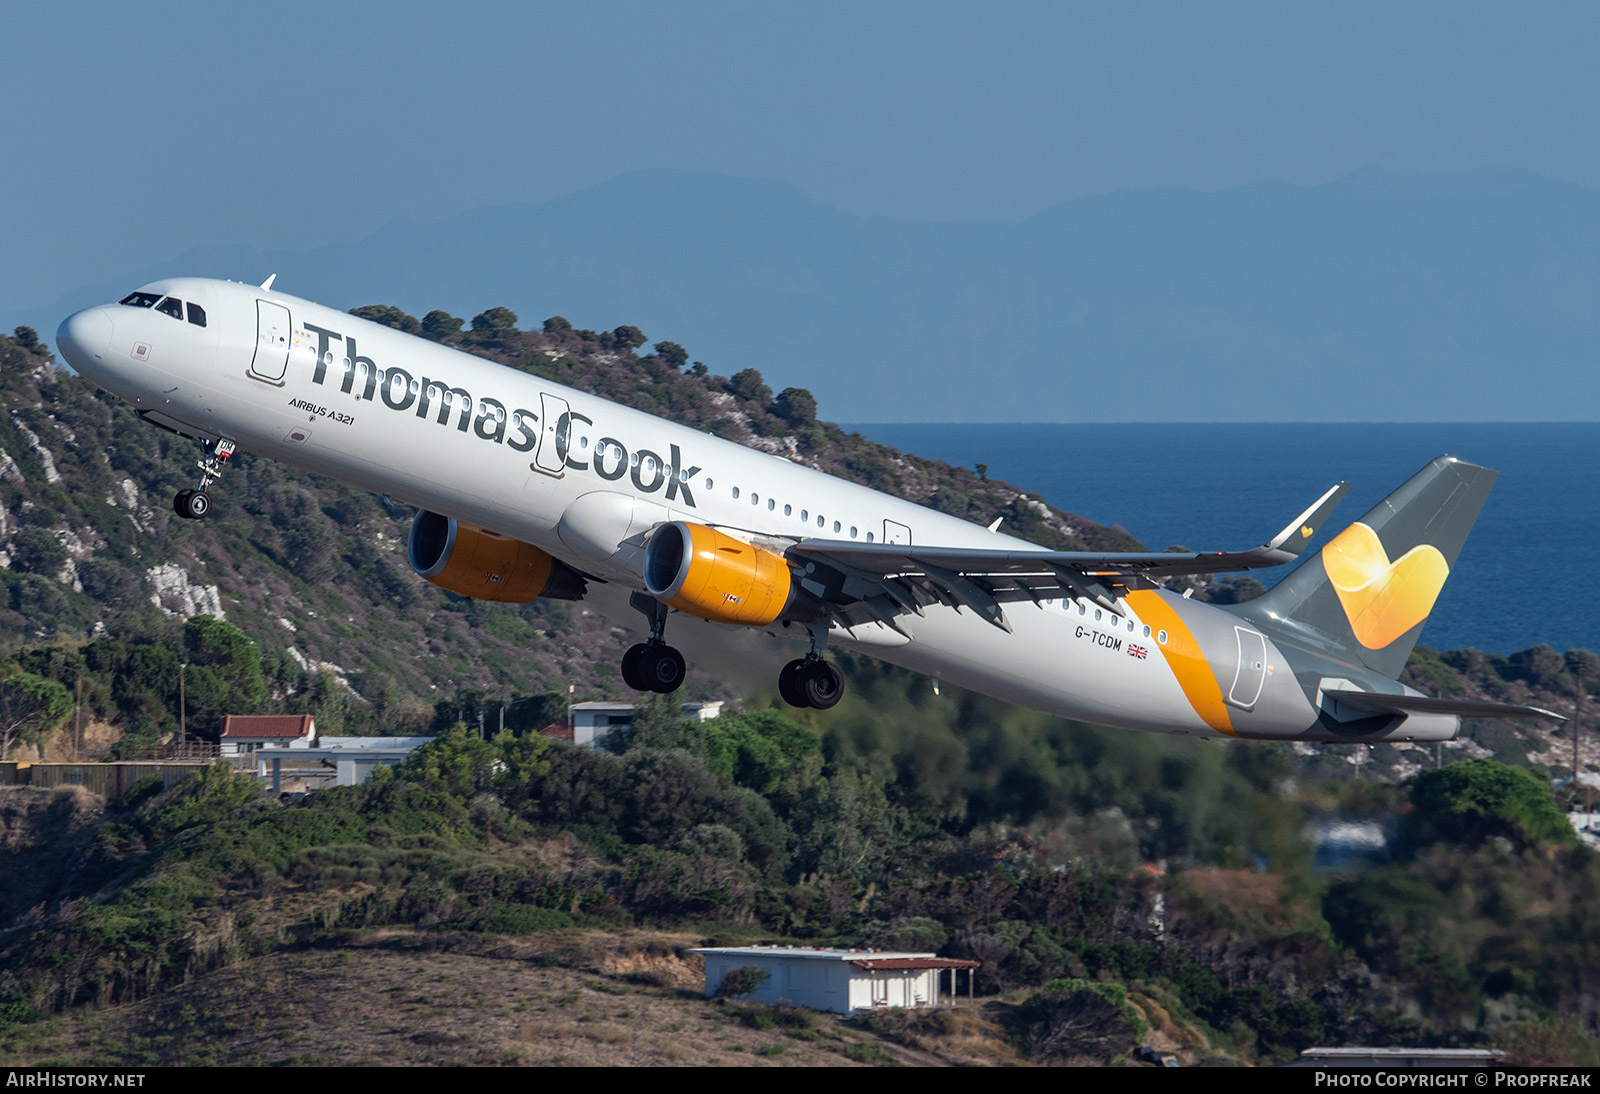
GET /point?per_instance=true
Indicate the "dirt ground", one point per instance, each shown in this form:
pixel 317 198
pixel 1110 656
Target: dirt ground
pixel 408 998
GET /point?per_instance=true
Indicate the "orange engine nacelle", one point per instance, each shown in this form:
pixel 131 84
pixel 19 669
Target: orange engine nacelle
pixel 710 574
pixel 487 566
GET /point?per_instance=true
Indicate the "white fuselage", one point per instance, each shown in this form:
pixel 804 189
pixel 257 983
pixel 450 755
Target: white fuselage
pixel 587 480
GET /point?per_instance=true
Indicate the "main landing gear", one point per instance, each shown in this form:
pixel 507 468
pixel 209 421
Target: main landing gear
pixel 195 504
pixel 653 665
pixel 810 681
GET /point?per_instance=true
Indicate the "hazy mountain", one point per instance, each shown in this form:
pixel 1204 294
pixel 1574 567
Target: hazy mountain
pixel 1384 296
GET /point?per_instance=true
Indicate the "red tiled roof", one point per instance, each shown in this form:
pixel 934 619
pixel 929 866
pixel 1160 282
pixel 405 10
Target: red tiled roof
pixel 559 731
pixel 266 725
pixel 873 963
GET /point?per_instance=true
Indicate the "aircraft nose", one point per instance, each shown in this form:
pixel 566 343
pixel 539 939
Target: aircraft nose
pixel 83 336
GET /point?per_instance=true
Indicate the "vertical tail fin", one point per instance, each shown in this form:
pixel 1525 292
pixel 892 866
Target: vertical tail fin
pixel 1369 590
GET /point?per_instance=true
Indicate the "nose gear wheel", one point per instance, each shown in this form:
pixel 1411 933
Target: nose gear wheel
pixel 193 504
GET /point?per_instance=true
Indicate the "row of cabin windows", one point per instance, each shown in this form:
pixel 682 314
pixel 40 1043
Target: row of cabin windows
pixel 805 515
pixel 166 305
pixel 1083 609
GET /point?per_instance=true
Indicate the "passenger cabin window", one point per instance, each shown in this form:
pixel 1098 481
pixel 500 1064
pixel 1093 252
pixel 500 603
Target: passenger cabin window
pixel 197 315
pixel 140 299
pixel 171 306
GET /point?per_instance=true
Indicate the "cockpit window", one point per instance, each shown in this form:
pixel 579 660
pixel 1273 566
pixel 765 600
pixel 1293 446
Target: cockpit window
pixel 171 306
pixel 197 315
pixel 140 299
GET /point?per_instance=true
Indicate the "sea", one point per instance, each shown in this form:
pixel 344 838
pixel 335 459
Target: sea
pixel 1526 576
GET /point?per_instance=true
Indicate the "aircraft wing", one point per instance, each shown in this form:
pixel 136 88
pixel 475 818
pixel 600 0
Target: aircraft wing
pixel 866 581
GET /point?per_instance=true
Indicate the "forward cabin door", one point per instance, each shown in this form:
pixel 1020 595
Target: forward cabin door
pixel 272 341
pixel 553 428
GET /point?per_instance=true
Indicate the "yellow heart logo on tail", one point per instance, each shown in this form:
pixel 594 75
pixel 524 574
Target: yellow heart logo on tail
pixel 1382 599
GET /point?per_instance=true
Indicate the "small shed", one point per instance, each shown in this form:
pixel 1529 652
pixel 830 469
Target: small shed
pixel 243 734
pixel 842 981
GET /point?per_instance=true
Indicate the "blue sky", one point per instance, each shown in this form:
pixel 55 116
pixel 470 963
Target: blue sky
pixel 136 131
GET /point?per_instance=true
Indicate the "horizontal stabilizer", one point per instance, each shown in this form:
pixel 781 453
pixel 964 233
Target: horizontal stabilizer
pixel 1380 703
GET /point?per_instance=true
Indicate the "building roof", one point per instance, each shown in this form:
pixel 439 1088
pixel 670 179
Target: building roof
pixel 373 744
pixel 255 726
pixel 875 964
pixel 866 959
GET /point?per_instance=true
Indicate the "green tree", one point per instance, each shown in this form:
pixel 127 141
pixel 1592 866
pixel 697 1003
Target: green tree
pixel 36 551
pixel 756 749
pixel 224 673
pixel 1076 1019
pixel 389 316
pixel 628 337
pixel 557 324
pixel 795 405
pixel 495 321
pixel 440 325
pixel 1476 800
pixel 741 981
pixel 1541 666
pixel 672 353
pixel 31 708
pixel 748 384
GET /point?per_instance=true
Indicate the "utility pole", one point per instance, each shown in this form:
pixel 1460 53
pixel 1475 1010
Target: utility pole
pixel 1581 663
pixel 183 708
pixel 1577 728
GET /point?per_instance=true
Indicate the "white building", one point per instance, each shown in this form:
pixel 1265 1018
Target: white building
pixel 592 721
pixel 355 758
pixel 246 733
pixel 842 981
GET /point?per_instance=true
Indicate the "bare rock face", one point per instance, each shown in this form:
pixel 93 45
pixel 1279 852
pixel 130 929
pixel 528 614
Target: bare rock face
pixel 174 594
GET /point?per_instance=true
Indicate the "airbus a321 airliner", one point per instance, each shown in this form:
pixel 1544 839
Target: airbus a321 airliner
pixel 525 489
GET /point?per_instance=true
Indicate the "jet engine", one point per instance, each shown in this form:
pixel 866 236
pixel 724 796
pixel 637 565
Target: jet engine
pixel 485 565
pixel 710 574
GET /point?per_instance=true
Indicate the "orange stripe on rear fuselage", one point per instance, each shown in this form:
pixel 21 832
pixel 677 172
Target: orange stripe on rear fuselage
pixel 1186 660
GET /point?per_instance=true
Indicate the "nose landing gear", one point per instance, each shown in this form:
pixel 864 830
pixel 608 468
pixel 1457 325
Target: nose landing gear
pixel 653 665
pixel 194 504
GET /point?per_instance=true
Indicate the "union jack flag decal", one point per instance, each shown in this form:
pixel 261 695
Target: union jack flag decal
pixel 1137 651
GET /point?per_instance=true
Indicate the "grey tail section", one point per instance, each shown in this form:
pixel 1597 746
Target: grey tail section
pixel 1365 595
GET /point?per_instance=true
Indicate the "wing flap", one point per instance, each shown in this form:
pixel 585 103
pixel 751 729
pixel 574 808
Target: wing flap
pixel 866 582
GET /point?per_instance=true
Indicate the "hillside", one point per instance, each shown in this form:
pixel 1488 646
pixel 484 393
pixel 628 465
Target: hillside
pixel 521 901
